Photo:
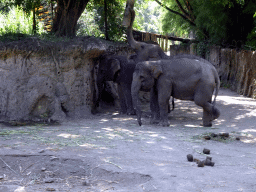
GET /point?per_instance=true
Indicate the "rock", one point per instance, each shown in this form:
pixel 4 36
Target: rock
pixel 1 177
pixel 190 157
pixel 238 138
pixel 41 151
pixel 214 135
pixel 196 160
pixel 54 158
pixel 50 189
pixel 43 169
pixel 200 164
pixel 224 134
pixel 208 162
pixel 207 137
pixel 206 151
pixel 49 180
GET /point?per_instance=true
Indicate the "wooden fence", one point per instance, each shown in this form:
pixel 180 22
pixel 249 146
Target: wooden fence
pixel 161 40
pixel 237 69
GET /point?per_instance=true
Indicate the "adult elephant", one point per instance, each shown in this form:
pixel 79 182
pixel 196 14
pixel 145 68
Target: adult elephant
pixel 185 78
pixel 119 70
pixel 144 51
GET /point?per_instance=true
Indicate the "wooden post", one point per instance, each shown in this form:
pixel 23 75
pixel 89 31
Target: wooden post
pixel 127 13
pixel 166 43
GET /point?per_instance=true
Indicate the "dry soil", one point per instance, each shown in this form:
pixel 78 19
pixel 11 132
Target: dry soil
pixel 110 152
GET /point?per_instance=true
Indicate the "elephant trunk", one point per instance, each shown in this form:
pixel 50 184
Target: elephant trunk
pixel 136 84
pixel 134 44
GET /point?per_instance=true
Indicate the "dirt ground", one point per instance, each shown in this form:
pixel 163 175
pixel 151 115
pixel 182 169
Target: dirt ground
pixel 110 152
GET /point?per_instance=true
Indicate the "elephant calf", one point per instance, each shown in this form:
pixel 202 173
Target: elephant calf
pixel 119 70
pixel 182 78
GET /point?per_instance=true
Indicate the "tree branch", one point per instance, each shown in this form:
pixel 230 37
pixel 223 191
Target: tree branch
pixel 186 14
pixel 190 9
pixel 177 13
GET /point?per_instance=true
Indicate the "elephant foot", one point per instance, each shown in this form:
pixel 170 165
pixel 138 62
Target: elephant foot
pixel 131 112
pixel 165 123
pixel 216 113
pixel 206 124
pixel 154 121
pixel 122 112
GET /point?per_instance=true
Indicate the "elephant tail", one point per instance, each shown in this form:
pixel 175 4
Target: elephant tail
pixel 217 81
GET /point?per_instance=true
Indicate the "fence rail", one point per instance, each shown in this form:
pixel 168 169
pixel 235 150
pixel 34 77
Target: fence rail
pixel 162 40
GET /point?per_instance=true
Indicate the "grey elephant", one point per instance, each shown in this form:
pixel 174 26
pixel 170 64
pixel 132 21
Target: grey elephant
pixel 119 70
pixel 144 51
pixel 183 77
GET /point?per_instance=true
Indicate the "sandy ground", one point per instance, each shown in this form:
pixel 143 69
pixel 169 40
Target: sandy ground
pixel 110 152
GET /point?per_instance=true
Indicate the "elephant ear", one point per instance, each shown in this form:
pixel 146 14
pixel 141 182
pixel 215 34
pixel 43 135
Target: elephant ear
pixel 114 66
pixel 156 70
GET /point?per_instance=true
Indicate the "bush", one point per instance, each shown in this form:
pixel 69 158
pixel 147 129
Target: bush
pixel 17 22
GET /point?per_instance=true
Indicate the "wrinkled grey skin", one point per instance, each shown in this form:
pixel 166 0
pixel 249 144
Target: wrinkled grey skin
pixel 144 51
pixel 182 78
pixel 119 70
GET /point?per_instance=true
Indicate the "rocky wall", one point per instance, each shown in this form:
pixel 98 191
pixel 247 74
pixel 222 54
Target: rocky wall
pixel 43 80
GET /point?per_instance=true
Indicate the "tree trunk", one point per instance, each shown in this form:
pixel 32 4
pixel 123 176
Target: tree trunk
pixel 34 21
pixel 67 14
pixel 106 19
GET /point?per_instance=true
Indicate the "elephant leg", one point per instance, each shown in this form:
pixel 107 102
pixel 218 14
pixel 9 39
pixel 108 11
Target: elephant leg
pixel 128 98
pixel 123 106
pixel 203 99
pixel 169 106
pixel 163 100
pixel 216 112
pixel 163 105
pixel 154 107
pixel 207 118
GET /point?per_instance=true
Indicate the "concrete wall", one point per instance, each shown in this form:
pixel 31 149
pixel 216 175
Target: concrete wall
pixel 237 69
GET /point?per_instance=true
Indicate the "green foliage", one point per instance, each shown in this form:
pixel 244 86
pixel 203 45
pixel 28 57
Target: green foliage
pixel 87 24
pixel 172 23
pixel 224 22
pixel 147 16
pixel 251 38
pixel 27 5
pixel 92 21
pixel 210 21
pixel 16 22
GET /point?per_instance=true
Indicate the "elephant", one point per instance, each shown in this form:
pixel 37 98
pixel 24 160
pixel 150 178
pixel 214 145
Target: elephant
pixel 144 51
pixel 119 70
pixel 182 77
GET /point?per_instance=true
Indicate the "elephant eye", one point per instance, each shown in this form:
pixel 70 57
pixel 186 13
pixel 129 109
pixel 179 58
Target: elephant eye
pixel 142 78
